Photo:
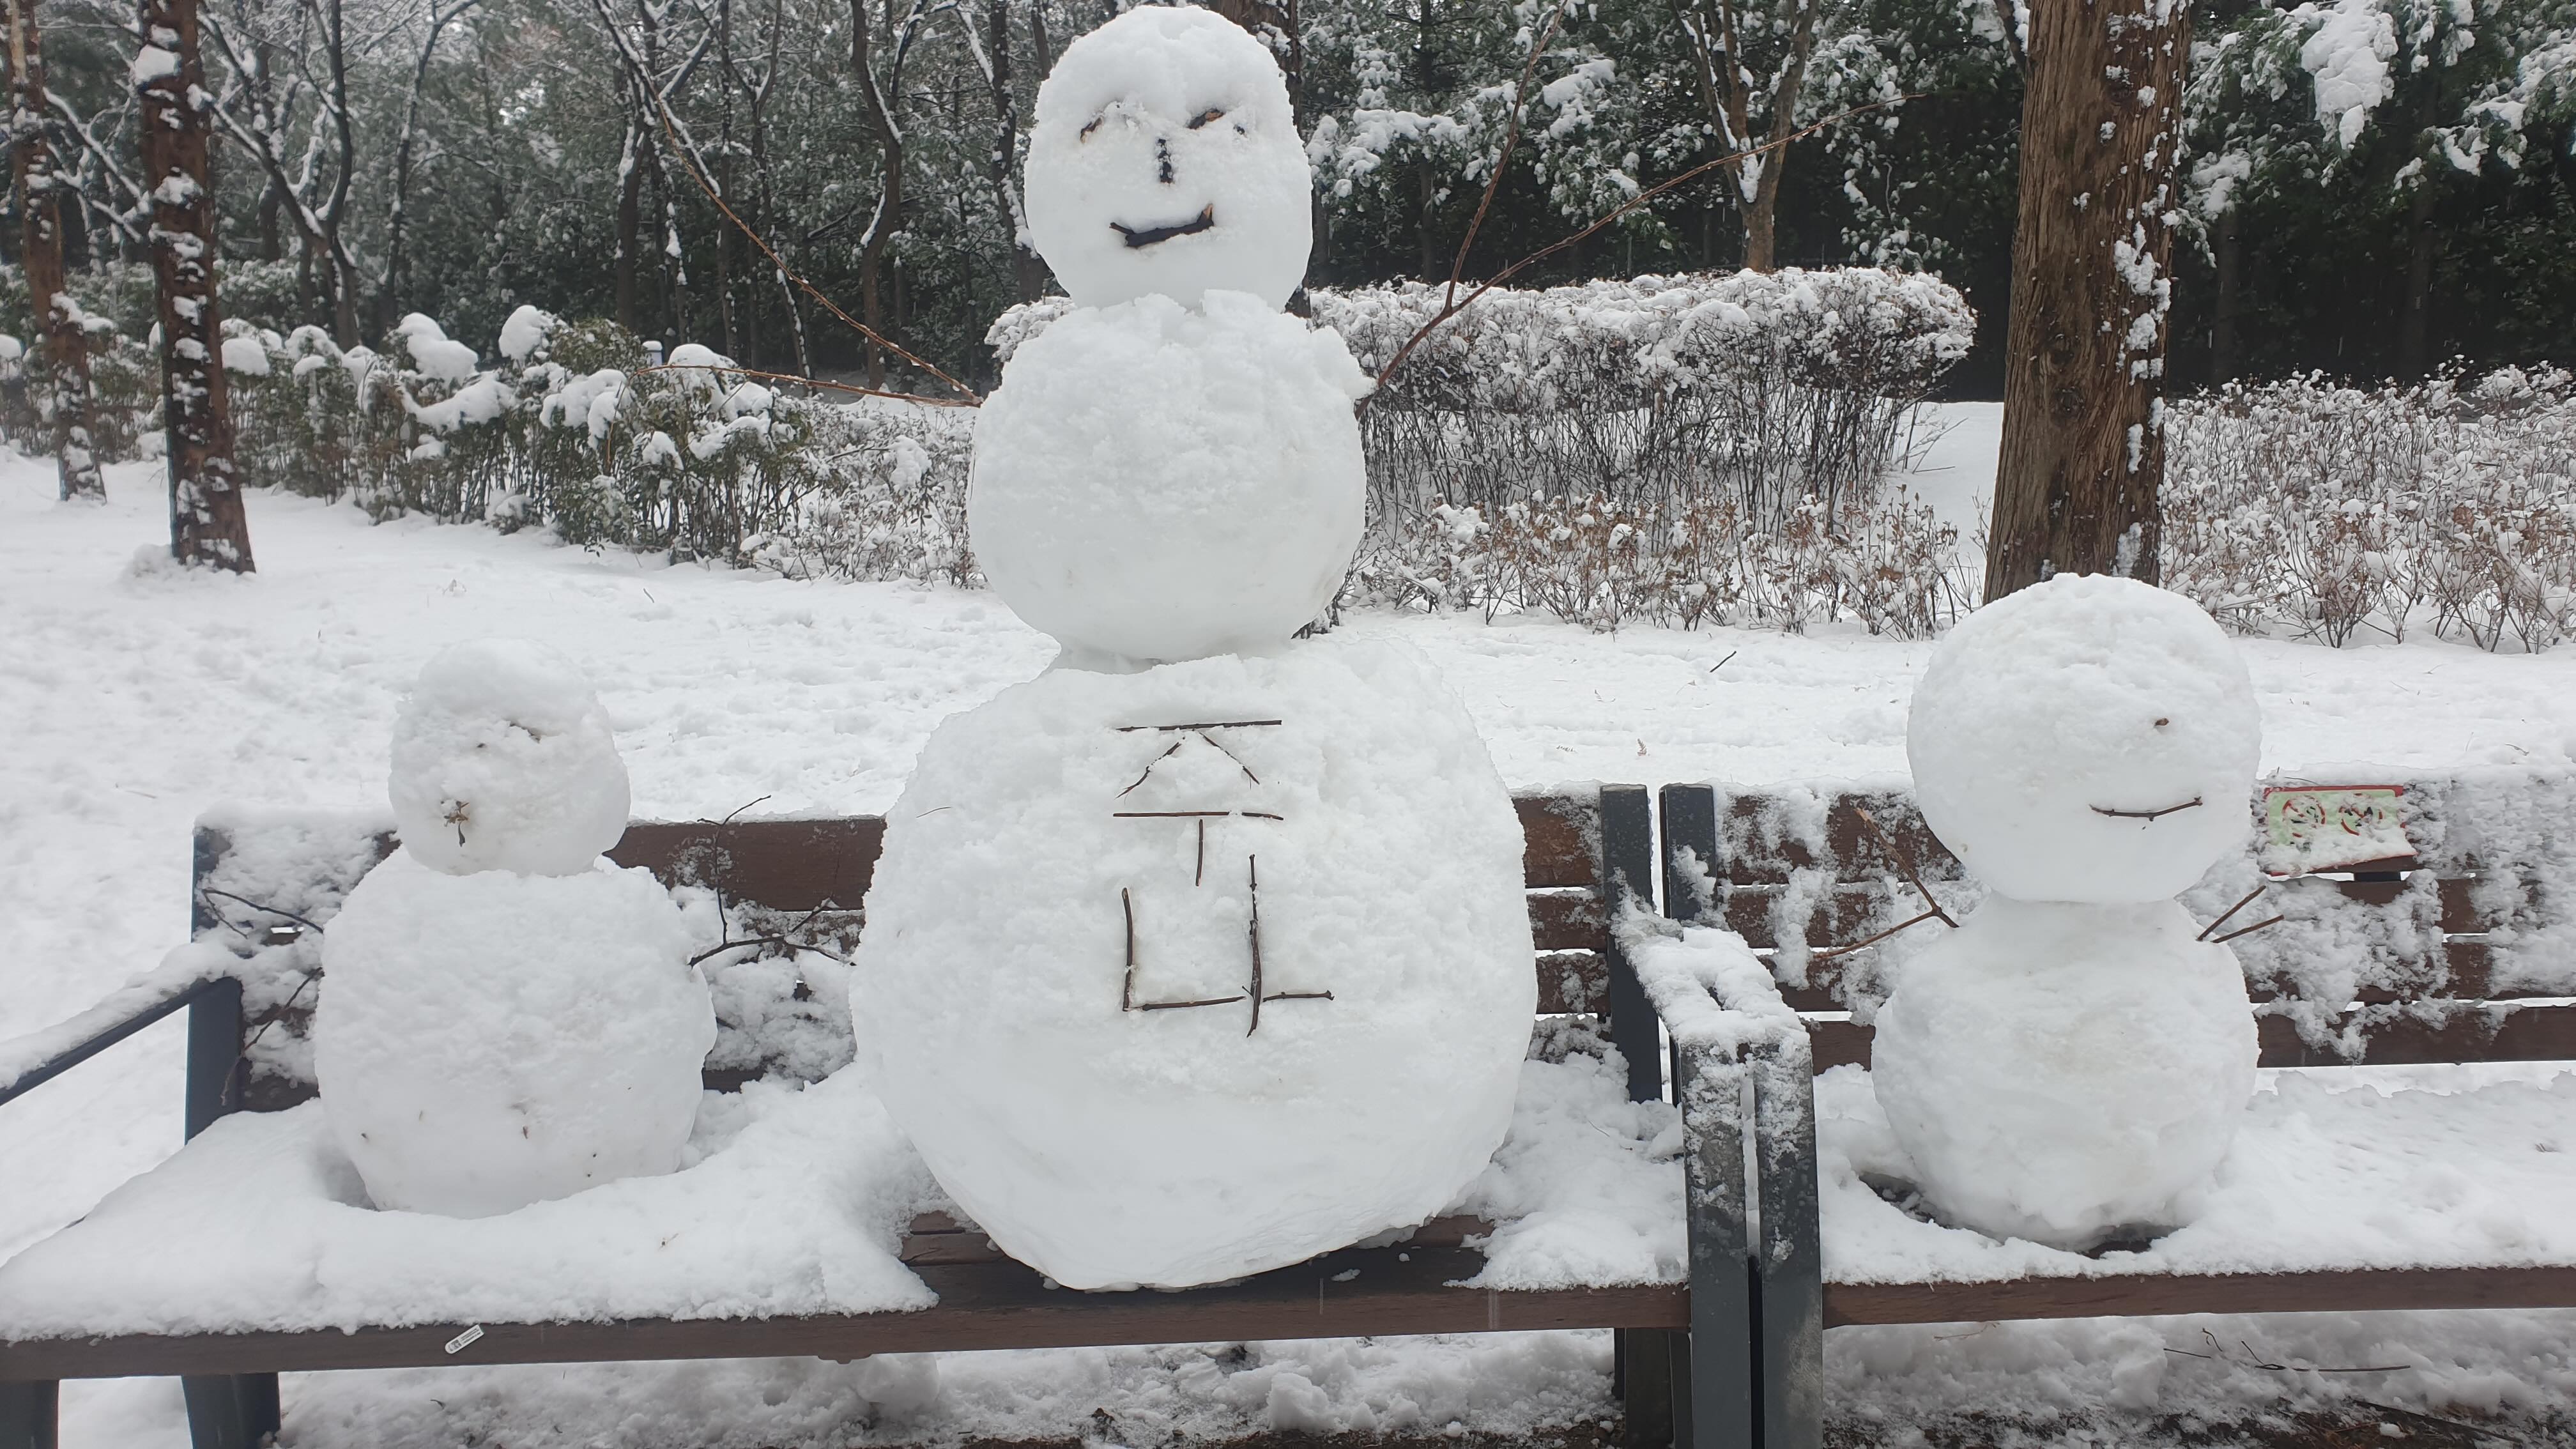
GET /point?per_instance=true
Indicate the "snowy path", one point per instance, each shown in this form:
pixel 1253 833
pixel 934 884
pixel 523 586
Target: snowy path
pixel 128 704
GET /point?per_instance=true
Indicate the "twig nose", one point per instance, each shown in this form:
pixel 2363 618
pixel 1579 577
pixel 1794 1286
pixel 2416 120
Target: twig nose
pixel 1163 159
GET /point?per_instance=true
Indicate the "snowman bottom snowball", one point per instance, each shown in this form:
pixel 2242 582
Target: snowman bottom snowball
pixel 1178 976
pixel 2066 1073
pixel 491 1040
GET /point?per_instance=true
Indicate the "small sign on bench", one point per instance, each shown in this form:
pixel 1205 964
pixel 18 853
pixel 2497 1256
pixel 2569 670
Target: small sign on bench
pixel 2312 828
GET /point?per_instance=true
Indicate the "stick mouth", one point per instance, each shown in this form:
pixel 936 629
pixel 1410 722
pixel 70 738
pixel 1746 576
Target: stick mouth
pixel 2148 815
pixel 1152 235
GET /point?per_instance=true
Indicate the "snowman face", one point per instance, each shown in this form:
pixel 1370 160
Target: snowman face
pixel 2088 739
pixel 1165 159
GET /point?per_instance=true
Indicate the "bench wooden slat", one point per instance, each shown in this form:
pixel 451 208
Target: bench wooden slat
pixel 981 1306
pixel 2525 1034
pixel 799 864
pixel 938 1238
pixel 2350 1291
pixel 1560 840
pixel 1573 983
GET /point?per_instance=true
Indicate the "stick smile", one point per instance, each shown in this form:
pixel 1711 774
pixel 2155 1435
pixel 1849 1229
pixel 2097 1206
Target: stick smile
pixel 1152 234
pixel 2149 815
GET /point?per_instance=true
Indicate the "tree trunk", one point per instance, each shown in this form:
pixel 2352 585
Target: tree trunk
pixel 2231 286
pixel 630 222
pixel 888 216
pixel 40 187
pixel 2083 437
pixel 2414 331
pixel 207 524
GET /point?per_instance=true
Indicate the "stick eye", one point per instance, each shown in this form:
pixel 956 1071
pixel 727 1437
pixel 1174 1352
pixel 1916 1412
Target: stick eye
pixel 1092 125
pixel 1211 114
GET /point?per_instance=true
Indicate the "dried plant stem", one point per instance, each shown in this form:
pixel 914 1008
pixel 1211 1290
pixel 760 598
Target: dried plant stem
pixel 1127 993
pixel 1210 724
pixel 1832 952
pixel 1511 139
pixel 1253 866
pixel 2249 930
pixel 2242 902
pixel 1904 858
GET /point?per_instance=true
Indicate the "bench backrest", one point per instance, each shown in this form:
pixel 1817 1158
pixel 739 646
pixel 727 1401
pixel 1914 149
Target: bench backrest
pixel 2449 953
pixel 800 879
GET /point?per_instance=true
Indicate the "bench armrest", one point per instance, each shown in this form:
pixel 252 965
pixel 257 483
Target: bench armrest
pixel 197 977
pixel 1743 1077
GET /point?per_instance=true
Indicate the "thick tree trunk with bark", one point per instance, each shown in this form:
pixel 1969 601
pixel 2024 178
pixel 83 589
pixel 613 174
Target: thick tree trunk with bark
pixel 2083 440
pixel 207 524
pixel 40 189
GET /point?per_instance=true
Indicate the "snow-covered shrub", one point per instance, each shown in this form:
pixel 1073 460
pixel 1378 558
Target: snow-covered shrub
pixel 1770 388
pixel 1888 565
pixel 2324 509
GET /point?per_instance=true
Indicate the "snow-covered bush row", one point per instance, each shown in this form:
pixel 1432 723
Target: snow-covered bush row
pixel 579 432
pixel 2325 509
pixel 1888 564
pixel 1767 389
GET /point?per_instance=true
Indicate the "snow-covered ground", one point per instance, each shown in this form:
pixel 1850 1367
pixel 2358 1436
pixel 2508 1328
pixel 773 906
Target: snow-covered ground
pixel 130 700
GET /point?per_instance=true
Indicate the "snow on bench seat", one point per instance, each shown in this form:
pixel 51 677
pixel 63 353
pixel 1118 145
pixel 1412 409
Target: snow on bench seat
pixel 2322 1178
pixel 795 1204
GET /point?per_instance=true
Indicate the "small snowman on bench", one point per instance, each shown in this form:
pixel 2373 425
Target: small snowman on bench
pixel 1206 951
pixel 505 1016
pixel 2070 1065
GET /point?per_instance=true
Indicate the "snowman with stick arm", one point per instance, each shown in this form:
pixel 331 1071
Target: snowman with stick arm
pixel 506 1017
pixel 1205 951
pixel 2070 1065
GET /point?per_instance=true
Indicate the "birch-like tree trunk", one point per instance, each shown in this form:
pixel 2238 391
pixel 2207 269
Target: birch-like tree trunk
pixel 41 187
pixel 2083 439
pixel 207 524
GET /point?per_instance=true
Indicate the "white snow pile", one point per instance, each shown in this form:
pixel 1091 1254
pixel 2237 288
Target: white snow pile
pixel 503 760
pixel 490 1040
pixel 432 353
pixel 1321 829
pixel 1164 160
pixel 2059 1072
pixel 2088 739
pixel 792 1204
pixel 2319 1179
pixel 2347 53
pixel 1159 483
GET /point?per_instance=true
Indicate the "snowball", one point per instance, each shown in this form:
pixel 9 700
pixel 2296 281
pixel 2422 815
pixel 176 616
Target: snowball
pixel 431 351
pixel 1106 1146
pixel 525 331
pixel 2086 739
pixel 2059 1072
pixel 1157 483
pixel 1165 159
pixel 503 760
pixel 491 1040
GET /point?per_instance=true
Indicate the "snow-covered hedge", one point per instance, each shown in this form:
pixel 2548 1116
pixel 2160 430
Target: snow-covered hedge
pixel 577 431
pixel 2322 509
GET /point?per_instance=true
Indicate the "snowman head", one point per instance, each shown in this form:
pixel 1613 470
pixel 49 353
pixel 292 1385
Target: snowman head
pixel 2087 739
pixel 1165 159
pixel 503 760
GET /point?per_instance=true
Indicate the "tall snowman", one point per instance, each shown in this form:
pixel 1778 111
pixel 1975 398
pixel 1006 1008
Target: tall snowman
pixel 506 1017
pixel 1205 951
pixel 2070 1065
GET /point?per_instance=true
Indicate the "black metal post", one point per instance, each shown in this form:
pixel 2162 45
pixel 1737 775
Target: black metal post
pixel 30 1414
pixel 1628 869
pixel 1790 1292
pixel 1721 1404
pixel 231 1411
pixel 1690 823
pixel 214 1053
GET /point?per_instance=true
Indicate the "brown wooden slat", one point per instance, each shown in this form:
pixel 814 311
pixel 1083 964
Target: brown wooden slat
pixel 937 1238
pixel 1559 834
pixel 2526 1034
pixel 2353 1291
pixel 1568 921
pixel 786 865
pixel 1573 982
pixel 1857 852
pixel 990 1305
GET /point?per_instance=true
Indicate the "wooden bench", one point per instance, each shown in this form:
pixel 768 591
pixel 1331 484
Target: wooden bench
pixel 247 1050
pixel 1796 873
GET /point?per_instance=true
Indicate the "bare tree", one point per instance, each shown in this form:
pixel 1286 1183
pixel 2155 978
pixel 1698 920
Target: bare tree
pixel 1028 272
pixel 1750 59
pixel 207 524
pixel 882 96
pixel 41 188
pixel 2083 441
